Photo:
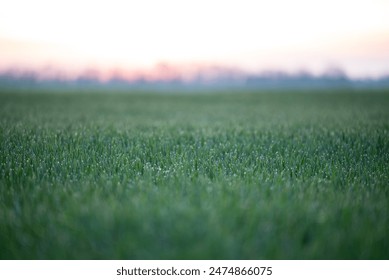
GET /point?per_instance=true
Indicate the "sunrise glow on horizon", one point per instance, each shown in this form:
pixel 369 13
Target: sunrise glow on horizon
pixel 134 36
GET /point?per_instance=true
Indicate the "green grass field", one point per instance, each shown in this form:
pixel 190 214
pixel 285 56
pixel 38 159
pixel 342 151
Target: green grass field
pixel 277 175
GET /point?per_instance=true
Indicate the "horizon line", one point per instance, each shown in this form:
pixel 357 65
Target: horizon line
pixel 166 72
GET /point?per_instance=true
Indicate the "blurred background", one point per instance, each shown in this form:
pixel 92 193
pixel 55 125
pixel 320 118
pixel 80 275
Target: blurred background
pixel 173 42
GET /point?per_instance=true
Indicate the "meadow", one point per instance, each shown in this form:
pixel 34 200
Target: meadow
pixel 229 175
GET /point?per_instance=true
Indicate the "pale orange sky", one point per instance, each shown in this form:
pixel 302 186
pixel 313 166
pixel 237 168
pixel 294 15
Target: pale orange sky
pixel 75 35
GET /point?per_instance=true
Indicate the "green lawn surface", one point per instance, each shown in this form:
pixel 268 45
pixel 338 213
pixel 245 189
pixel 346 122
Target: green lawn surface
pixel 240 175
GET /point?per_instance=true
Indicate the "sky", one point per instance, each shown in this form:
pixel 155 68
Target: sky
pixel 111 36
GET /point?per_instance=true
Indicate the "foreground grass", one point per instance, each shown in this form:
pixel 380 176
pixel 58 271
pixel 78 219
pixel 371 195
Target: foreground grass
pixel 210 176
